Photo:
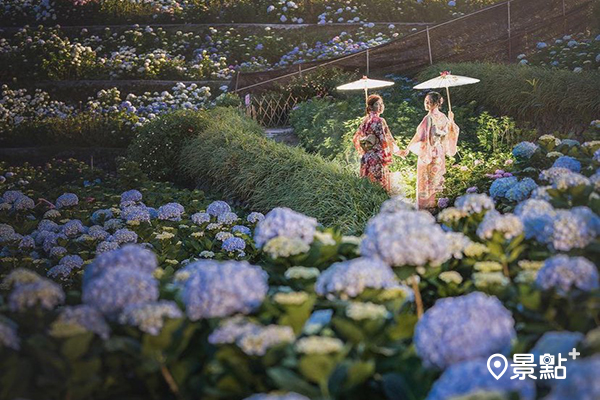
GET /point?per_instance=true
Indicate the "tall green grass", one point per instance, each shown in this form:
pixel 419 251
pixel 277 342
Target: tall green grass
pixel 235 158
pixel 549 99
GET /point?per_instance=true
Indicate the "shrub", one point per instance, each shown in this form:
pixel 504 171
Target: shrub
pixel 233 155
pixel 158 144
pixel 548 99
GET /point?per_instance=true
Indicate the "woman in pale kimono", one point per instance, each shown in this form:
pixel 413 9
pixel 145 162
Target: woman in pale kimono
pixel 435 138
pixel 375 144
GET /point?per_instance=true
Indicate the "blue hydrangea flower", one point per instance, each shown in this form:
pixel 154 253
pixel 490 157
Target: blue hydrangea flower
pixel 574 229
pixel 133 257
pixel 509 225
pixel 136 214
pixel 105 247
pixel 99 216
pixel 538 218
pixel 170 212
pixel 57 252
pixel 557 342
pixel 59 271
pixel 501 186
pixel 463 328
pixel 469 377
pixel 474 203
pixel 521 190
pixel 8 334
pixel 581 383
pixel 131 196
pixel 47 225
pixel 97 232
pixel 73 261
pixel 153 212
pixel 72 228
pixel 122 236
pixel 200 218
pixel 227 218
pixel 149 317
pixel 217 208
pixel 42 292
pixel 567 162
pixel 255 217
pixel 118 288
pixel 524 150
pixel 351 278
pixel 27 243
pixel 23 203
pixel 285 222
pixel 233 244
pixel 82 317
pixel 564 273
pixel 67 200
pixel 397 203
pixel 216 289
pixel 10 196
pixel 244 230
pixel 406 238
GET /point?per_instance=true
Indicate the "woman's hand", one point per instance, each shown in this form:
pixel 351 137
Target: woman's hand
pixel 402 153
pixel 451 116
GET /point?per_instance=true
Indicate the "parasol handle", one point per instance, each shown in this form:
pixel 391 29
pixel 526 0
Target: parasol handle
pixel 366 97
pixel 448 95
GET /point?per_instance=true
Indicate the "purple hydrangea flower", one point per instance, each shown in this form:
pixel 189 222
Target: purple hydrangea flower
pixel 200 218
pixel 118 288
pixel 136 214
pixel 581 383
pixel 228 218
pixel 149 317
pixel 351 278
pixel 8 334
pixel 406 238
pixel 233 244
pixel 463 328
pixel 23 203
pixel 131 196
pixel 123 236
pixel 285 222
pixel 565 273
pixel 255 217
pixel 170 212
pixel 86 317
pixel 72 228
pixel 221 289
pixel 133 257
pixel 67 200
pixel 217 208
pixel 244 230
pixel 470 377
pixel 42 292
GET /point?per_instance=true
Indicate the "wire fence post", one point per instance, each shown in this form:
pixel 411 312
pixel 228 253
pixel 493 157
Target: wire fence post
pixel 429 46
pixel 509 38
pixel 564 17
pixel 237 80
pixel 300 70
pixel 367 62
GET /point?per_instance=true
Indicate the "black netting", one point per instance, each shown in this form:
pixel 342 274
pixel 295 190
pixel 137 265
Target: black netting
pixel 481 36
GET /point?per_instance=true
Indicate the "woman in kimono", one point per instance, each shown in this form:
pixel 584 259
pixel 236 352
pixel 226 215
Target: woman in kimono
pixel 375 144
pixel 436 137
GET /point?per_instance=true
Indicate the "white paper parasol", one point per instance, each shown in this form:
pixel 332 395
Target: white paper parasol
pixel 365 84
pixel 446 80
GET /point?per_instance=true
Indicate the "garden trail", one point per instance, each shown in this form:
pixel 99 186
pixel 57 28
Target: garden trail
pixel 285 135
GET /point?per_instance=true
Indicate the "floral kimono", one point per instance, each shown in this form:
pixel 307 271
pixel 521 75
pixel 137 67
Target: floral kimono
pixel 375 144
pixel 436 137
